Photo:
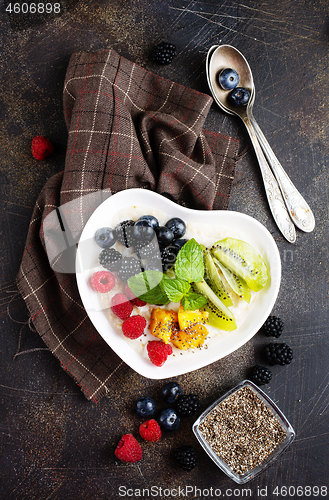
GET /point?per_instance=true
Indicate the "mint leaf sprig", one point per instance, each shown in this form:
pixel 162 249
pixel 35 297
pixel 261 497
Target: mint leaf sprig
pixel 157 288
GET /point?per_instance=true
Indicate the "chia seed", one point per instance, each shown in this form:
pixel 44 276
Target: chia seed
pixel 242 430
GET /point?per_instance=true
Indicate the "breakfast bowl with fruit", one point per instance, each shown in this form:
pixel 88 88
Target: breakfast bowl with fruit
pixel 172 289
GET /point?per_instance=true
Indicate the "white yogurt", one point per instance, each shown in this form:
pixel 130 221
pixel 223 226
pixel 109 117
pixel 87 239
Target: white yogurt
pixel 204 234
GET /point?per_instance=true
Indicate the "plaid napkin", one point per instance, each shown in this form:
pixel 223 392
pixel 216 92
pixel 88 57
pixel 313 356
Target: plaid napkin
pixel 127 128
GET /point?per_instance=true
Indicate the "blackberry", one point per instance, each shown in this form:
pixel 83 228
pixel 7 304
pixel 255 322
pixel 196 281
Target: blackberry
pixel 188 405
pixel 147 249
pixel 278 354
pixel 260 375
pixel 164 53
pixel 169 256
pixel 124 232
pixel 186 457
pixel 110 259
pixel 129 266
pixel 273 327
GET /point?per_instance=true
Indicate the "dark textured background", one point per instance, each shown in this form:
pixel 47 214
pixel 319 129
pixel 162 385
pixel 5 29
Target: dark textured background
pixel 55 444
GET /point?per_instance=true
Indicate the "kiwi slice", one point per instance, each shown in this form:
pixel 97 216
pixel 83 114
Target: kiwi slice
pixel 242 260
pixel 214 280
pixel 238 285
pixel 219 315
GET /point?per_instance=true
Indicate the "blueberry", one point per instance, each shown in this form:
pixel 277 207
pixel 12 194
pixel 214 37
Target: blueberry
pixel 239 96
pixel 165 236
pixel 143 231
pixel 105 237
pixel 228 79
pixel 145 407
pixel 177 226
pixel 171 392
pixel 179 243
pixel 169 419
pixel 151 220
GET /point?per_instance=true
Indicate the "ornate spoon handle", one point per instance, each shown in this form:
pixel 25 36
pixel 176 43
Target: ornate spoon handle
pixel 273 193
pixel 298 209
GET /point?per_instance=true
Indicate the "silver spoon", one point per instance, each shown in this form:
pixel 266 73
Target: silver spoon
pixel 224 56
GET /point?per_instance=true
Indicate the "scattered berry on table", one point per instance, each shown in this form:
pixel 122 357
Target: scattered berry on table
pixel 278 354
pixel 145 406
pixel 129 266
pixel 110 259
pixel 150 430
pixel 171 392
pixel 165 236
pixel 187 405
pixel 41 147
pixel 273 327
pixel 260 375
pixel 228 79
pixel 105 237
pixel 177 226
pixel 133 299
pixel 102 281
pixel 168 419
pixel 124 232
pixel 134 326
pixel 164 53
pixel 128 449
pixel 186 457
pixel 121 306
pixel 158 352
pixel 239 96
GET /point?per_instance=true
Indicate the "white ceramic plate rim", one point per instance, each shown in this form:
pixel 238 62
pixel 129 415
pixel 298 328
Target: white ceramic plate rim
pixel 249 230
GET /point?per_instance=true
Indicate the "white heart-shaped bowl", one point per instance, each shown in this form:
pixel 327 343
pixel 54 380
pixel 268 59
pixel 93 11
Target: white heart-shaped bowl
pixel 132 203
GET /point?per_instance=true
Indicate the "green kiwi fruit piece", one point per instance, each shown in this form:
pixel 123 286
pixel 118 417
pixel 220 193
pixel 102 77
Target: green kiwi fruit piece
pixel 214 280
pixel 219 315
pixel 238 285
pixel 242 260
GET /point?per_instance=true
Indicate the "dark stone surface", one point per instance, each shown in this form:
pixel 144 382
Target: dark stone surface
pixel 55 444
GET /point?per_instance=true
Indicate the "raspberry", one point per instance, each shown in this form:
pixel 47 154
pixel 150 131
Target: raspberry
pixel 186 457
pixel 102 281
pixel 121 306
pixel 150 430
pixel 133 327
pixel 260 375
pixel 133 299
pixel 158 352
pixel 128 449
pixel 41 147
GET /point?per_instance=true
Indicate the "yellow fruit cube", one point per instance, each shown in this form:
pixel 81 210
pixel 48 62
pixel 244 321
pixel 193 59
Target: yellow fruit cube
pixel 191 338
pixel 187 318
pixel 163 324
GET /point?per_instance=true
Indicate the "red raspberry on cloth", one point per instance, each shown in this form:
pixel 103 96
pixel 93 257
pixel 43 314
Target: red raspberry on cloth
pixel 133 299
pixel 128 449
pixel 134 326
pixel 158 352
pixel 150 430
pixel 41 147
pixel 102 281
pixel 121 306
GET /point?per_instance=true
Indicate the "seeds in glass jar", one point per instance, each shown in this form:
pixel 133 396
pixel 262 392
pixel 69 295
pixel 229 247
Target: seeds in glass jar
pixel 242 430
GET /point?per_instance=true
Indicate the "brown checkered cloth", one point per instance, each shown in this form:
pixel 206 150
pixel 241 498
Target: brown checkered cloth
pixel 127 128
